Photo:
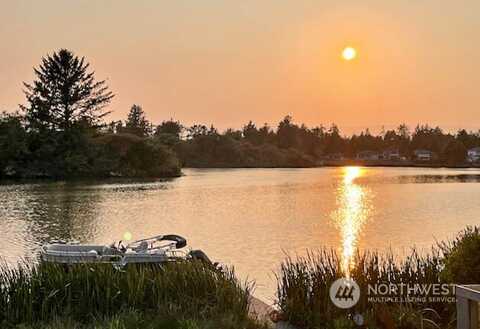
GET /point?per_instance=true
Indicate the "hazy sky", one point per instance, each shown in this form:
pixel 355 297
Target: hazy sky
pixel 227 62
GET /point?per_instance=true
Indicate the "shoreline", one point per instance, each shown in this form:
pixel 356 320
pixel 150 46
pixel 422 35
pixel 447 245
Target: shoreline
pixel 406 164
pixel 347 163
pixel 329 164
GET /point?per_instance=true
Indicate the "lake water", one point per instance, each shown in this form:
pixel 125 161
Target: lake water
pixel 250 218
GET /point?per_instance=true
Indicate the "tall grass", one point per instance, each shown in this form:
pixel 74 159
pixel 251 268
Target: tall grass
pixel 43 292
pixel 304 283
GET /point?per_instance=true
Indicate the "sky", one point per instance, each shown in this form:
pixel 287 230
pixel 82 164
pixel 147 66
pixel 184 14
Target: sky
pixel 228 62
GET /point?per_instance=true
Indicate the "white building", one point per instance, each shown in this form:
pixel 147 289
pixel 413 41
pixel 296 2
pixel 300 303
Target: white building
pixel 423 155
pixel 368 155
pixel 473 155
pixel 392 154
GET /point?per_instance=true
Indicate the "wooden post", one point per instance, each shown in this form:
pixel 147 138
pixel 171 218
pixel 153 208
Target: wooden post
pixel 467 306
pixel 463 313
pixel 473 307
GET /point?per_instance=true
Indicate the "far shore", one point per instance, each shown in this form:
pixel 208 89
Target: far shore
pixel 324 164
pixel 387 163
pixel 346 163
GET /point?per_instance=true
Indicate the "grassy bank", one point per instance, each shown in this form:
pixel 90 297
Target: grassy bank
pixel 304 283
pixel 184 295
pixel 136 320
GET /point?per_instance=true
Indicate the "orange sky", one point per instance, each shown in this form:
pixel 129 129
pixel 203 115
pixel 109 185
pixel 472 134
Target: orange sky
pixel 227 62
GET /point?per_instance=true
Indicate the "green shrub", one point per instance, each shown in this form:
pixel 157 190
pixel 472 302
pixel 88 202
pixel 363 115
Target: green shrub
pixel 129 155
pixel 462 257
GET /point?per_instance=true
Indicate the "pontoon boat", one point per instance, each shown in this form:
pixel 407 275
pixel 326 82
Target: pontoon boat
pixel 157 249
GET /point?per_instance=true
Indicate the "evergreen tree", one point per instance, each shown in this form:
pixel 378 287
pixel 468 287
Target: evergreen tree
pixel 64 94
pixel 169 132
pixel 169 127
pixel 64 104
pixel 137 123
pixel 455 153
pixel 287 133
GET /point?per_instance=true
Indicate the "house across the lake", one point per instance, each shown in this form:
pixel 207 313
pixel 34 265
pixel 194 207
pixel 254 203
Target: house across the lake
pixel 368 155
pixel 423 155
pixel 391 154
pixel 473 155
pixel 335 156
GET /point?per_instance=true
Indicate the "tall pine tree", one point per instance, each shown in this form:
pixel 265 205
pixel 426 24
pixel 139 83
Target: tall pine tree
pixel 64 103
pixel 64 94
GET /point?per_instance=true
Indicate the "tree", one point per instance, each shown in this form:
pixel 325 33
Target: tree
pixel 64 94
pixel 403 131
pixel 266 134
pixel 470 140
pixel 137 123
pixel 251 134
pixel 287 133
pixel 455 153
pixel 334 143
pixel 114 126
pixel 426 137
pixel 146 158
pixel 170 127
pixel 196 131
pixel 128 155
pixel 169 133
pixel 233 134
pixel 65 106
pixel 13 144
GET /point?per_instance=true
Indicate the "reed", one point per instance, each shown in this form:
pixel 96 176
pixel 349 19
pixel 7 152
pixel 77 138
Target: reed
pixel 304 283
pixel 83 293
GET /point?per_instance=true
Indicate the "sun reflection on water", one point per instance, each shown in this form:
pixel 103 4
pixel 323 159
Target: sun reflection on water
pixel 353 209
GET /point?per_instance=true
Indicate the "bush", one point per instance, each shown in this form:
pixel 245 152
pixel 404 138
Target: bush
pixel 13 144
pixel 462 257
pixel 129 155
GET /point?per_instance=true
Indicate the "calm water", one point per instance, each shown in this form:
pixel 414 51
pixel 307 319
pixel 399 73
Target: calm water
pixel 250 217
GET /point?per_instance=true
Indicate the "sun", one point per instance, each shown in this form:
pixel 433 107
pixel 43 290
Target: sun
pixel 349 53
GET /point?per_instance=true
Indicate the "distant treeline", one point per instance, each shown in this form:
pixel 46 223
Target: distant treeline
pixel 61 132
pixel 293 145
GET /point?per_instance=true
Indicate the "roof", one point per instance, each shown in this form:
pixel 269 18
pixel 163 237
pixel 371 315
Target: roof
pixel 422 152
pixel 391 151
pixel 368 152
pixel 475 149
